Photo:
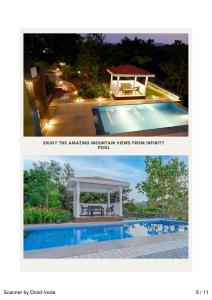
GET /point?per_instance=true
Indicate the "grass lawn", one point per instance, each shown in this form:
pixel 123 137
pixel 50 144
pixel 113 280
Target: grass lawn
pixel 154 92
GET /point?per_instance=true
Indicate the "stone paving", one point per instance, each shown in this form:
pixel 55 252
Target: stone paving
pixel 179 253
pixel 171 249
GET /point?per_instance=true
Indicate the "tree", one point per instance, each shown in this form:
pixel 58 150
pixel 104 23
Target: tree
pixel 166 185
pixel 88 59
pixel 68 172
pixel 130 206
pixel 42 184
pixel 52 47
pixel 67 196
pixel 176 68
pixel 93 197
pixel 125 194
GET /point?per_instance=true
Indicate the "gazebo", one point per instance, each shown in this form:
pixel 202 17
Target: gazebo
pixel 94 212
pixel 128 81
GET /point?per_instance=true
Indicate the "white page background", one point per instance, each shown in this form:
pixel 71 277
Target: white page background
pixel 95 14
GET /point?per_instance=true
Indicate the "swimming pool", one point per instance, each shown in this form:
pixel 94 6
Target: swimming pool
pixel 42 237
pixel 131 117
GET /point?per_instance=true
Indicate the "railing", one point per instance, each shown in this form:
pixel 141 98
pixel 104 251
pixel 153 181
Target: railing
pixel 164 90
pixel 149 216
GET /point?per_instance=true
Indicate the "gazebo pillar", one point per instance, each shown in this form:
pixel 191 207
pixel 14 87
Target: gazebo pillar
pixel 111 76
pixel 135 79
pixel 120 202
pixel 117 84
pixel 145 86
pixel 74 202
pixel 77 199
pixel 108 199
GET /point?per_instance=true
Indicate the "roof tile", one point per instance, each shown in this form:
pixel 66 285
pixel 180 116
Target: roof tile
pixel 128 70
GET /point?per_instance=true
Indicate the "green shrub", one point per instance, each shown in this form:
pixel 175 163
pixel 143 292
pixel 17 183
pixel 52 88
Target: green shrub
pixel 182 217
pixel 91 90
pixel 54 201
pixel 51 84
pixel 35 215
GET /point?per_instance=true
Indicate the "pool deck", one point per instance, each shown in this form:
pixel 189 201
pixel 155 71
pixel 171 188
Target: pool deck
pixel 71 118
pixel 174 246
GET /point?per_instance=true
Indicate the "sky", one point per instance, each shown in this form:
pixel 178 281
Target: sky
pixel 123 168
pixel 166 38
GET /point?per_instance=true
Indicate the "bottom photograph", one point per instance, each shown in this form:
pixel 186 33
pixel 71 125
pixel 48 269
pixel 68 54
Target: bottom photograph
pixel 105 207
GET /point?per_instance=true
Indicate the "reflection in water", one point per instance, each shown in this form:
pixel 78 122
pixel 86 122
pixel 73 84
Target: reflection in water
pixel 55 237
pixel 164 228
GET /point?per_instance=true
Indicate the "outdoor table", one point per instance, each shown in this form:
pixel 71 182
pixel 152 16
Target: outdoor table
pixel 93 209
pixel 128 90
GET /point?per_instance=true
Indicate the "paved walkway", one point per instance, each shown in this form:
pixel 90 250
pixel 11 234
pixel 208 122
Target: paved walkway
pixel 181 253
pixel 171 249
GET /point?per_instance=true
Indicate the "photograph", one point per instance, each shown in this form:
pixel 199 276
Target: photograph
pixel 106 207
pixel 106 150
pixel 105 84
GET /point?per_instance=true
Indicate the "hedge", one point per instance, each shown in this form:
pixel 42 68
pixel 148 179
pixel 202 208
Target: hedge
pixel 36 215
pixel 91 90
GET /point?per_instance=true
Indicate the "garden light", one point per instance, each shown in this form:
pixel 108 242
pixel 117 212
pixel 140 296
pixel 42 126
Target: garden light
pixel 79 100
pixel 48 123
pixel 100 99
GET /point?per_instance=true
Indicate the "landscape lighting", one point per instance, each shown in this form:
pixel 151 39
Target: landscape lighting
pixel 48 123
pixel 79 100
pixel 100 99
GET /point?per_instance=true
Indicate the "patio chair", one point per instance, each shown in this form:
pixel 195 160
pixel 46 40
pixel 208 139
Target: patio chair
pixel 84 210
pixel 136 88
pixel 110 210
pixel 99 211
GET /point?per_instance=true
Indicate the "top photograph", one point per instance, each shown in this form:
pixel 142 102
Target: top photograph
pixel 105 84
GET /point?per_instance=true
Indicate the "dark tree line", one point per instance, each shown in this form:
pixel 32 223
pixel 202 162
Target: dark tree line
pixel 92 56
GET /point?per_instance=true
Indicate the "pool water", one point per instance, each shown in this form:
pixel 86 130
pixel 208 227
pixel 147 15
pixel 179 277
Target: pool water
pixel 68 235
pixel 126 118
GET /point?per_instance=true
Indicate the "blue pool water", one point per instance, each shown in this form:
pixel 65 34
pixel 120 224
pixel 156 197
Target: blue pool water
pixel 54 236
pixel 126 118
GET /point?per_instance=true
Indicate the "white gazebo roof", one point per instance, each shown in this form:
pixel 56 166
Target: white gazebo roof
pixel 96 184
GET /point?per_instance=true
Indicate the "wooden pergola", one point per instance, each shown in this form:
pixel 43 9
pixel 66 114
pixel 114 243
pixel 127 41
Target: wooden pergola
pixel 99 185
